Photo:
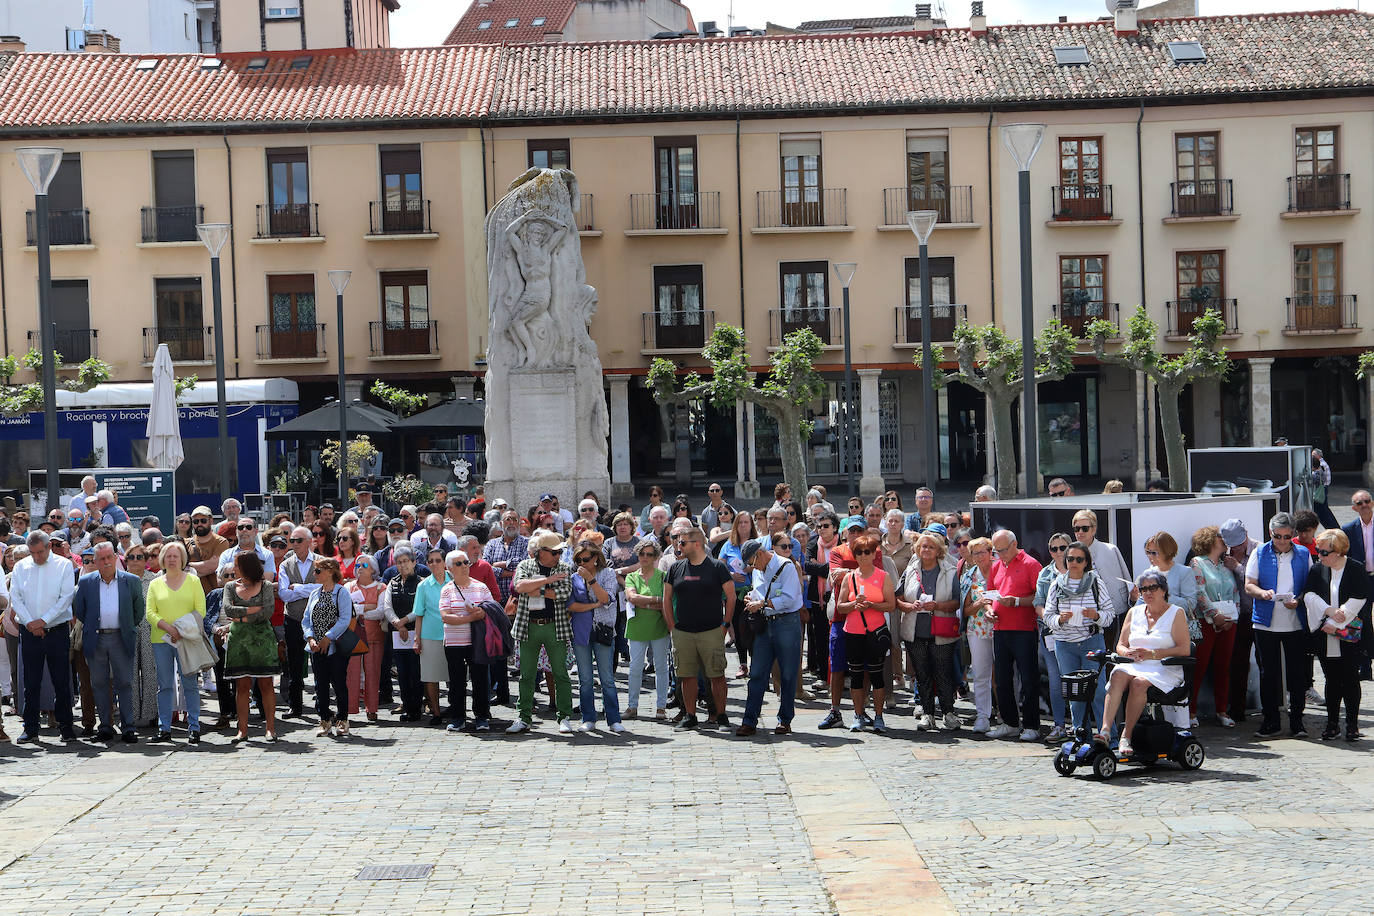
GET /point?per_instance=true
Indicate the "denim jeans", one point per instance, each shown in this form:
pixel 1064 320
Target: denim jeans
pixel 662 649
pixel 1013 651
pixel 1053 669
pixel 1073 656
pixel 780 642
pixel 165 655
pixel 586 685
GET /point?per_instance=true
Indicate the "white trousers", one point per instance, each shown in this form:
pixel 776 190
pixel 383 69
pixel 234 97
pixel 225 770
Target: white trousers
pixel 980 674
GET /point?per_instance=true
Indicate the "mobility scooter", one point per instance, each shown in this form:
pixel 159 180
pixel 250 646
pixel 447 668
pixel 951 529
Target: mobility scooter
pixel 1154 739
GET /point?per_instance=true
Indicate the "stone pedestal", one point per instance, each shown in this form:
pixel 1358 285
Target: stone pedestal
pixel 1261 402
pixel 871 463
pixel 622 488
pixel 544 440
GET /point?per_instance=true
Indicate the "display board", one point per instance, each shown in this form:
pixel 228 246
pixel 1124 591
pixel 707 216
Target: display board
pixel 140 491
pixel 1285 470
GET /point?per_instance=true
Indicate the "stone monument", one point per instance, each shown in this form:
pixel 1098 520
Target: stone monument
pixel 546 418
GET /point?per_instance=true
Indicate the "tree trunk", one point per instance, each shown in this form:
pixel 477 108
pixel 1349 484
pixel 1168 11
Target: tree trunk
pixel 789 417
pixel 1000 403
pixel 1174 447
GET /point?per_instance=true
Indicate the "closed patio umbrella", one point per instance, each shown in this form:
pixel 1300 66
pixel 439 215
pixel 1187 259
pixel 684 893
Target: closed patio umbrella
pixel 164 424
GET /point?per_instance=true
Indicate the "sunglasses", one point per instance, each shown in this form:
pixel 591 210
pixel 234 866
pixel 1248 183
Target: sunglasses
pixel 963 544
pixel 824 526
pixel 1361 502
pixel 585 558
pixel 297 540
pixel 135 556
pixel 863 553
pixel 1082 527
pixel 247 527
pixel 1324 553
pixel 1281 537
pixel 588 510
pixel 781 547
pixel 1152 553
pixel 1075 559
pixel 714 490
pixel 199 518
pixel 1146 589
pixel 1057 549
pixel 1060 493
pixel 460 563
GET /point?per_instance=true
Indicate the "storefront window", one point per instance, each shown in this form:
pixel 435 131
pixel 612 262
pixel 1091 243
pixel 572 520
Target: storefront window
pixel 199 473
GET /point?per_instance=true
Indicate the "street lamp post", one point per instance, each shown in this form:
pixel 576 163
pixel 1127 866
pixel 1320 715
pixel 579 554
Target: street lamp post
pixel 922 223
pixel 213 236
pixel 845 271
pixel 40 165
pixel 339 280
pixel 1023 142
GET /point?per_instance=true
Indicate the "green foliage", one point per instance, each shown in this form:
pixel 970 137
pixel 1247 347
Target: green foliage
pixel 398 399
pixel 407 491
pixel 1365 365
pixel 186 384
pixel 1140 351
pixel 8 366
pixel 21 398
pixel 34 359
pixel 360 452
pixel 1001 356
pixel 90 373
pixel 292 480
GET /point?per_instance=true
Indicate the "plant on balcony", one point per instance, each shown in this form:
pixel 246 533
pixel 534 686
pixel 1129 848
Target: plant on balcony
pixel 998 376
pixel 790 386
pixel 361 452
pixel 1140 353
pixel 292 480
pixel 398 399
pixel 1078 298
pixel 1200 295
pixel 21 399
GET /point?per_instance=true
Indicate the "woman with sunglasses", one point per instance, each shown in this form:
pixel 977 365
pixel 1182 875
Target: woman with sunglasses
pixel 322 539
pixel 928 598
pixel 742 531
pixel 1339 584
pixel 979 557
pixel 817 568
pixel 593 607
pixel 346 551
pixel 1045 648
pixel 429 632
pixel 377 538
pixel 1076 609
pixel 397 602
pixel 867 596
pixel 1218 607
pixel 145 666
pixel 365 672
pixel 327 615
pixel 647 630
pixel 460 603
pixel 250 651
pixel 717 536
pixel 1162 550
pixel 183 526
pixel 655 499
pixel 1153 630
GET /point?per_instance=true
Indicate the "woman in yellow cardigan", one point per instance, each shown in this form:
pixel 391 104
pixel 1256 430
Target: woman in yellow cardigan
pixel 172 596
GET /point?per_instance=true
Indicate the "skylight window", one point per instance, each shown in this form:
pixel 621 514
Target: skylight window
pixel 484 24
pixel 257 63
pixel 211 63
pixel 537 20
pixel 300 63
pixel 1071 55
pixel 1187 52
pixel 146 64
pixel 512 23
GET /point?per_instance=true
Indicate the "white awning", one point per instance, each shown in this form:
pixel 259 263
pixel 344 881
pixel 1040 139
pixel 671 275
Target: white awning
pixel 140 394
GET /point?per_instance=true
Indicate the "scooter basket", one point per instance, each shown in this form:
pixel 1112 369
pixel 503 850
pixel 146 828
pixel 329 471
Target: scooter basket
pixel 1078 685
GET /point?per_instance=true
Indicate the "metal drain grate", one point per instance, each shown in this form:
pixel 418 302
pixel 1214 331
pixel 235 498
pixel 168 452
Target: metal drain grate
pixel 395 872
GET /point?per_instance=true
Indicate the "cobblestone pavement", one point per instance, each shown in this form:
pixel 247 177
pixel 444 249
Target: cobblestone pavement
pixel 659 822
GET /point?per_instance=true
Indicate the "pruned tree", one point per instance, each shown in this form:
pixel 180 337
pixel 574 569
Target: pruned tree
pixel 1171 374
pixel 399 400
pixel 25 398
pixel 791 384
pixel 998 375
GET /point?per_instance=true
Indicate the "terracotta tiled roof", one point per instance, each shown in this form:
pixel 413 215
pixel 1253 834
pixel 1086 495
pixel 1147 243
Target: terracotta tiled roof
pixel 57 90
pixel 875 22
pixel 952 68
pixel 1010 65
pixel 555 14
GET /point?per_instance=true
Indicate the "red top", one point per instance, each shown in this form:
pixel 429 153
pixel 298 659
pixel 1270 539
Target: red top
pixel 483 572
pixel 1015 580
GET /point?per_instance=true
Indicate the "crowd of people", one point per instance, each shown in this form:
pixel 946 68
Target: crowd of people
pixel 441 607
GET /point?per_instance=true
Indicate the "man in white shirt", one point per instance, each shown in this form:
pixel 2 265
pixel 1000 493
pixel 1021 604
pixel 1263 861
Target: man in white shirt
pixel 41 590
pixel 1274 576
pixel 246 532
pixel 88 485
pixel 295 583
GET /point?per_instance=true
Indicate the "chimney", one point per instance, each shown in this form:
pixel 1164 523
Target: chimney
pixel 977 22
pixel 1125 15
pixel 925 22
pixel 12 44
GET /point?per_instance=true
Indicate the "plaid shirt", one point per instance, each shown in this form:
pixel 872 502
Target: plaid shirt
pixel 562 590
pixel 516 552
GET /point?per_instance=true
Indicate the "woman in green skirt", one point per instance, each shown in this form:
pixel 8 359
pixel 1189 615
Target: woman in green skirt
pixel 251 649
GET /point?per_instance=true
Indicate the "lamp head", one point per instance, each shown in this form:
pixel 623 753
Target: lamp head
pixel 339 280
pixel 1023 142
pixel 40 165
pixel 213 236
pixel 845 271
pixel 922 223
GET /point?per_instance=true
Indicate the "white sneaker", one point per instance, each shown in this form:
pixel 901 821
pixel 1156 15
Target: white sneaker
pixel 927 723
pixel 518 726
pixel 1056 734
pixel 980 726
pixel 1314 698
pixel 952 722
pixel 1192 722
pixel 1226 721
pixel 565 726
pixel 1001 731
pixel 1030 734
pixel 618 728
pixel 587 727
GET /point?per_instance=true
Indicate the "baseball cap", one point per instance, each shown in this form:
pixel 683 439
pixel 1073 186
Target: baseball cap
pixel 1233 532
pixel 937 528
pixel 202 510
pixel 851 522
pixel 749 551
pixel 546 496
pixel 277 541
pixel 396 523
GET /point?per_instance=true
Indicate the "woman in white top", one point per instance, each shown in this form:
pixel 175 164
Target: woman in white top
pixel 1153 630
pixel 460 603
pixel 1336 595
pixel 365 671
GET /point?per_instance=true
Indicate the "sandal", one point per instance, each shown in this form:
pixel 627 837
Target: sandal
pixel 1124 750
pixel 1104 736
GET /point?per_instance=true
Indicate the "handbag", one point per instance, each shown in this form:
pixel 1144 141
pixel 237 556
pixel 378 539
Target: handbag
pixel 349 642
pixel 1352 632
pixel 603 634
pixel 944 627
pixel 883 635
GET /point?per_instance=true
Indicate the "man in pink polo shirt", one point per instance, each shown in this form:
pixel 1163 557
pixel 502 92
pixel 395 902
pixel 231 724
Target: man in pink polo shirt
pixel 1013 577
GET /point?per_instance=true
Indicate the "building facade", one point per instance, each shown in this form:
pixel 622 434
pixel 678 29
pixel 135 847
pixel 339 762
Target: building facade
pixel 1184 166
pixel 110 26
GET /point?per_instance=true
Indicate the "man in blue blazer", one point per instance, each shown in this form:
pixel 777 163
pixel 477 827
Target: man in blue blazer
pixel 109 604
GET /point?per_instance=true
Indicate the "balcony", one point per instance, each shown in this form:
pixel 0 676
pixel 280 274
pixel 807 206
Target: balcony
pixel 74 345
pixel 1206 199
pixel 65 227
pixel 943 320
pixel 289 221
pixel 393 218
pixel 293 343
pixel 826 322
pixel 677 331
pixel 1182 312
pixel 398 340
pixel 586 216
pixel 1076 204
pixel 1319 195
pixel 802 210
pixel 171 224
pixel 954 204
pixel 1076 316
pixel 674 214
pixel 1322 313
pixel 193 344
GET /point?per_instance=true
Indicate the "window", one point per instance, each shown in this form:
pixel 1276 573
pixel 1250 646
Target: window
pixel 292 320
pixel 484 24
pixel 1196 168
pixel 1187 52
pixel 805 298
pixel 678 318
pixel 67 222
pixel 1080 178
pixel 927 174
pixel 549 154
pixel 675 183
pixel 1316 287
pixel 174 197
pixel 1318 184
pixel 941 294
pixel 402 200
pixel 512 23
pixel 1200 281
pixel 1082 290
pixel 146 65
pixel 1071 55
pixel 180 320
pixel 257 63
pixel 537 20
pixel 405 312
pixel 283 9
pixel 301 63
pixel 1316 150
pixel 71 312
pixel 288 192
pixel 801 180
